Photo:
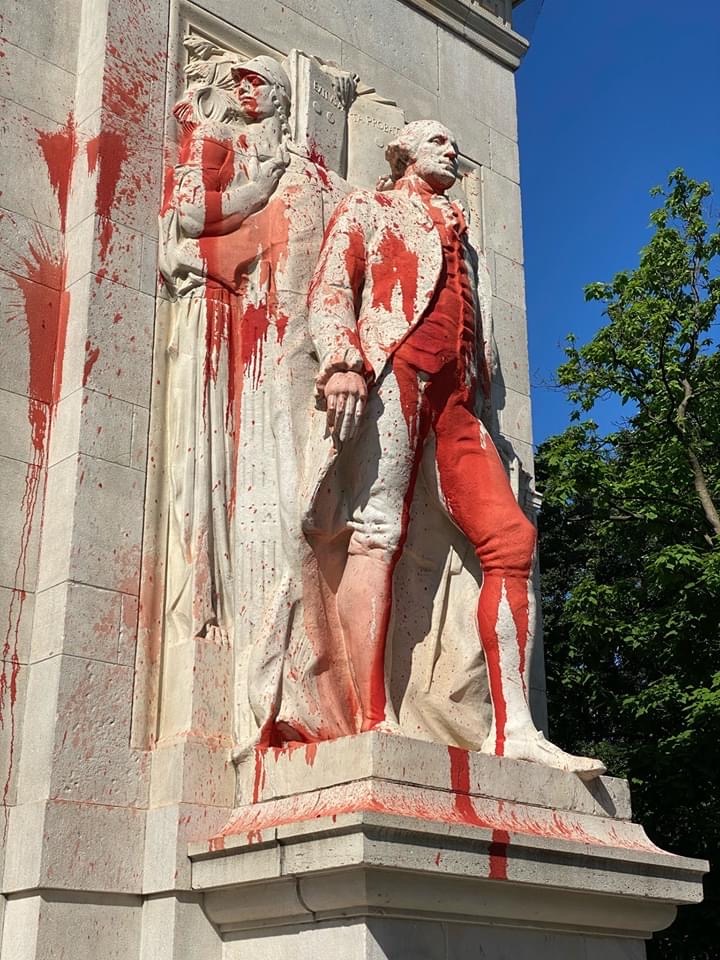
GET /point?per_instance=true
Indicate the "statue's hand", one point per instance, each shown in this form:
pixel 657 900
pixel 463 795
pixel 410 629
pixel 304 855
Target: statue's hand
pixel 346 396
pixel 266 174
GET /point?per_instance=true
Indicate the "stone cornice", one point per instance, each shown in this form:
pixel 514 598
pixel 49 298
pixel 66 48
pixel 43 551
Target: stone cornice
pixel 477 26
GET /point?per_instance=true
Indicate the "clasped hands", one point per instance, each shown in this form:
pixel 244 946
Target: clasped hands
pixel 345 397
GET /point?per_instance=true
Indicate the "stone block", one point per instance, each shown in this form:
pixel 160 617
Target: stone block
pixel 509 281
pixel 484 87
pixel 473 136
pixel 169 830
pixel 77 852
pixel 17 609
pixel 176 928
pixel 504 157
pixel 58 518
pixel 297 770
pixel 43 32
pixel 139 36
pixel 192 771
pixel 282 26
pixel 132 89
pixel 23 848
pixel 120 178
pixel 198 697
pixel 19 83
pixel 510 331
pixel 149 276
pixel 92 423
pixel 119 260
pixel 35 758
pixel 13 711
pixel 55 926
pixel 79 620
pixel 466 940
pixel 516 416
pixel 33 275
pixel 22 492
pixel 107 528
pixel 416 101
pixel 32 195
pixel 17 433
pixel 92 761
pixel 127 640
pixel 346 939
pixel 20 928
pixel 139 442
pixel 422 940
pixel 113 353
pixel 391 33
pixel 65 434
pixel 503 222
pixel 92 34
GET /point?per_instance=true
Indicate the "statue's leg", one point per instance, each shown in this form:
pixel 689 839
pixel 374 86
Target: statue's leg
pixel 478 496
pixel 385 462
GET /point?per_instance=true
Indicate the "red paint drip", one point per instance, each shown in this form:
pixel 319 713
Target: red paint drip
pixel 498 855
pixel 488 611
pixel 460 784
pixel 58 149
pixel 259 781
pixel 106 153
pixel 91 356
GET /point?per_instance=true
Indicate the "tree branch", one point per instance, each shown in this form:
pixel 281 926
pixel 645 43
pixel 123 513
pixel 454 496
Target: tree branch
pixel 701 487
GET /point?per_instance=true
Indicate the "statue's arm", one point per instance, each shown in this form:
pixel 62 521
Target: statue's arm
pixel 215 193
pixel 335 294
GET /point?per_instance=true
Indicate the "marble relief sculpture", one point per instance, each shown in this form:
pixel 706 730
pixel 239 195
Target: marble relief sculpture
pixel 331 504
pixel 241 228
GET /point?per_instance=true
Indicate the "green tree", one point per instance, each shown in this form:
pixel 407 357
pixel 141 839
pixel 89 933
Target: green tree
pixel 630 546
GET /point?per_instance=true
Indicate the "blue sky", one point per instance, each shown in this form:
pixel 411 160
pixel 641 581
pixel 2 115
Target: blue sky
pixel 612 96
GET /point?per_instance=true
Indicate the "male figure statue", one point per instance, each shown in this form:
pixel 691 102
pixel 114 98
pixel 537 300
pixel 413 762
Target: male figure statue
pixel 393 304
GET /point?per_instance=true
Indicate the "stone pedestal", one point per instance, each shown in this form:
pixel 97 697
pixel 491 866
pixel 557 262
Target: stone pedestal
pixel 382 847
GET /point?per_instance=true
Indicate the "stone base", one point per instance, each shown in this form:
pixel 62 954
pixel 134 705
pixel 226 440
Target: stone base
pixel 378 846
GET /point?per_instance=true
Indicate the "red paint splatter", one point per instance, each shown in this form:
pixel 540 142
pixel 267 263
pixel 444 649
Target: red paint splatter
pixel 310 754
pixel 396 264
pixel 91 356
pixel 58 149
pixel 106 153
pixel 45 314
pixel 316 157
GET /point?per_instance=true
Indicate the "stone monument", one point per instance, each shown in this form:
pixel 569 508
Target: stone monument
pixel 271 682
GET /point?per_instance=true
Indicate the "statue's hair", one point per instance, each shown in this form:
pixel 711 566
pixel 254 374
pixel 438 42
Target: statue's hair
pixel 281 102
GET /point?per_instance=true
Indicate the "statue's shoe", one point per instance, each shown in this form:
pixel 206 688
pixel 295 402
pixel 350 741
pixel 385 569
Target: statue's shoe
pixel 535 748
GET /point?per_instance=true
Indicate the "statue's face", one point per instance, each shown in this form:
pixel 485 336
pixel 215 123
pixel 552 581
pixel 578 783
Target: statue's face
pixel 254 94
pixel 436 157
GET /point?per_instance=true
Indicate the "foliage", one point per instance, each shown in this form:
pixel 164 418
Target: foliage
pixel 630 547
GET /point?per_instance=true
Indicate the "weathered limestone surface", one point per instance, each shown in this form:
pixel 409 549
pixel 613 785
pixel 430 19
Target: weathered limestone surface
pixel 98 810
pixel 374 859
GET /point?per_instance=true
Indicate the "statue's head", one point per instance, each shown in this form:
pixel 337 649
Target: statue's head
pixel 426 149
pixel 262 89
